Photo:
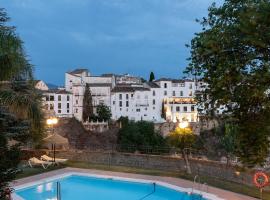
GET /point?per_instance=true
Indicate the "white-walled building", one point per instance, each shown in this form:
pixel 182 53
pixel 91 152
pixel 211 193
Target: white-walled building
pixel 41 85
pixel 58 103
pixel 100 87
pixel 144 102
pixel 125 95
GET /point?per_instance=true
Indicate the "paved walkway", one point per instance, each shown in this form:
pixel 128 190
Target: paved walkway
pixel 174 181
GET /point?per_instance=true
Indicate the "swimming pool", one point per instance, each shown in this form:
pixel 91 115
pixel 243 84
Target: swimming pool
pixel 90 187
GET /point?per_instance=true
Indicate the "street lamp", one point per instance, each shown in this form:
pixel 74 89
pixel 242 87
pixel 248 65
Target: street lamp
pixel 183 124
pixel 50 122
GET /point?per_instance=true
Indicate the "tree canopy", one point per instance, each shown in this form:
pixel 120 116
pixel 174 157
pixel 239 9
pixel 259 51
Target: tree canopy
pixel 232 56
pixel 139 135
pixel 103 113
pixel 88 112
pixel 21 118
pixel 151 77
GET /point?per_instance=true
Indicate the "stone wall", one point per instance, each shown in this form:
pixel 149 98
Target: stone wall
pixel 166 163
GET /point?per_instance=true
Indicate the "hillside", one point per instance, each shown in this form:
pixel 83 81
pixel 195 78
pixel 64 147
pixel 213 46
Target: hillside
pixel 79 138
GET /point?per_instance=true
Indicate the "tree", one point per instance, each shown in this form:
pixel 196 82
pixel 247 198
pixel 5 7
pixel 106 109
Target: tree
pixel 20 108
pixel 103 112
pixel 182 138
pixel 88 112
pixel 139 134
pixel 231 55
pixel 228 140
pixel 151 77
pixel 163 110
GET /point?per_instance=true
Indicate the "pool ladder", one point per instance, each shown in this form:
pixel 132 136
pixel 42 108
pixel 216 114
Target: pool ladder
pixel 200 187
pixel 58 191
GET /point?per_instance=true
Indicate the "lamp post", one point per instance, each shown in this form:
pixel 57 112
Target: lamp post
pixel 51 122
pixel 183 125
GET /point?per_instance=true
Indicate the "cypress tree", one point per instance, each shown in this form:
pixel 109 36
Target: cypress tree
pixel 87 104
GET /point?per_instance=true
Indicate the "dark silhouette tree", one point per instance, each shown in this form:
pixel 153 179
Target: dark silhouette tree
pixel 231 55
pixel 20 104
pixel 103 112
pixel 151 77
pixel 88 111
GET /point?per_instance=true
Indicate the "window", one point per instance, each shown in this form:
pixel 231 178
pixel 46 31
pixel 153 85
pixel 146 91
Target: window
pixel 59 97
pixel 177 108
pixel 67 105
pixel 67 111
pixel 126 96
pixel 190 86
pixel 59 105
pixel 113 102
pixel 145 109
pixel 76 101
pixel 59 111
pixel 182 84
pixel 154 93
pixel 181 93
pixel 47 98
pixel 67 97
pixel 120 103
pixel 192 108
pixel 51 106
pixel 165 85
pixel 173 93
pixel 76 111
pixel 154 108
pixel 120 96
pixel 51 98
pixel 127 104
pixel 190 93
pixel 132 95
pixel 154 102
pixel 171 108
pixel 185 109
pixel 165 93
pixel 138 110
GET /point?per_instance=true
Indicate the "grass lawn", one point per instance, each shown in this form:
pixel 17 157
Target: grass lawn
pixel 226 185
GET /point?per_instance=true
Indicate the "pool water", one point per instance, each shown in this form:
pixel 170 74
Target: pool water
pixel 76 187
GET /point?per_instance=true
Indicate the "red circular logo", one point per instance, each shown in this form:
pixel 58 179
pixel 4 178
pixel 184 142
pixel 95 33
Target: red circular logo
pixel 260 179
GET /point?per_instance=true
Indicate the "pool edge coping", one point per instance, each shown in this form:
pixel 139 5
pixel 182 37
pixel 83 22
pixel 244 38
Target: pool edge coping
pixel 205 195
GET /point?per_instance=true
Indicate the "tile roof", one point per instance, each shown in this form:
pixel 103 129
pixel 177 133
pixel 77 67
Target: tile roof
pixel 57 91
pixel 152 85
pixel 78 71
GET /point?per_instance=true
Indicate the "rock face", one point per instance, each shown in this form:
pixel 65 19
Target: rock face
pixel 165 128
pixel 79 138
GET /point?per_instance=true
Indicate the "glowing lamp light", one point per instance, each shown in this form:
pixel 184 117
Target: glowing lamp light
pixel 183 124
pixel 52 121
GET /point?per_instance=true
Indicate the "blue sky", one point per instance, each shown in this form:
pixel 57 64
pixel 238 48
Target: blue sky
pixel 106 36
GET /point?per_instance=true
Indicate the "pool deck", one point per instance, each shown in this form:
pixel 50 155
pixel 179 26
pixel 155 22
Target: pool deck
pixel 174 181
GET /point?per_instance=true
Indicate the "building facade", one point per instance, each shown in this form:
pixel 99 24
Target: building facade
pixel 127 96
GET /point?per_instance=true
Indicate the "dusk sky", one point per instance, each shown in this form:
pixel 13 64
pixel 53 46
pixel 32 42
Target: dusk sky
pixel 106 36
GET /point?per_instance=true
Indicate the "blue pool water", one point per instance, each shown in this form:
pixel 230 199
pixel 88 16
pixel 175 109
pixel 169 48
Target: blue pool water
pixel 77 187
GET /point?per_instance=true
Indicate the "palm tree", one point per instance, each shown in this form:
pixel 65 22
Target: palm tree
pixel 19 102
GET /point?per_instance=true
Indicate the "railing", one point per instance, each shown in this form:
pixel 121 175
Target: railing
pixel 58 190
pixel 154 190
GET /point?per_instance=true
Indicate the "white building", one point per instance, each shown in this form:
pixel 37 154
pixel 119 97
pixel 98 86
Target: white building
pixel 100 87
pixel 41 85
pixel 144 102
pixel 127 96
pixel 58 103
pixel 178 98
pixel 135 102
